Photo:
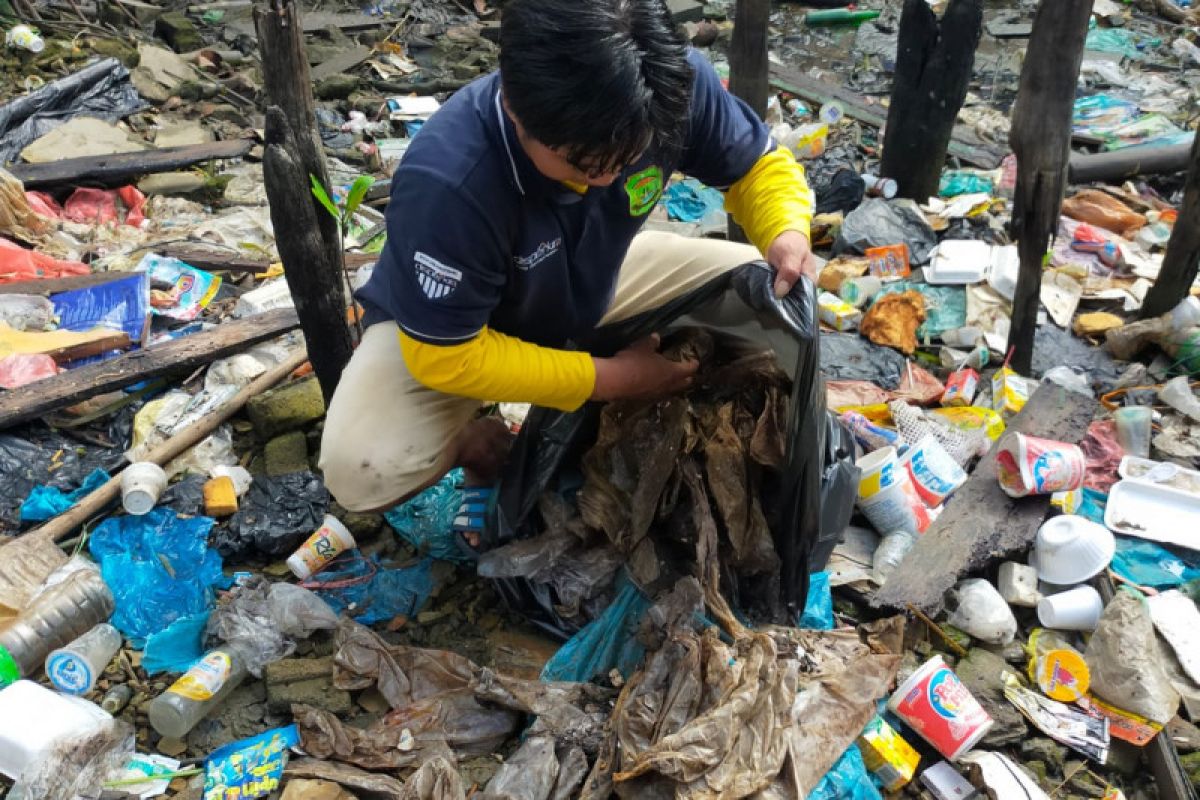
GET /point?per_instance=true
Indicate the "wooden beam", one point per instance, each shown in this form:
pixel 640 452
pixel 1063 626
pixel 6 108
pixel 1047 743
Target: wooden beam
pixel 1041 140
pixel 980 522
pixel 34 400
pixel 1128 162
pixel 1182 258
pixel 749 69
pixel 964 144
pixel 120 168
pixel 213 260
pixel 934 60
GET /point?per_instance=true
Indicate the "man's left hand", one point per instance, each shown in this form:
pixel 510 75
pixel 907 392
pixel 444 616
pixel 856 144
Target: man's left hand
pixel 791 257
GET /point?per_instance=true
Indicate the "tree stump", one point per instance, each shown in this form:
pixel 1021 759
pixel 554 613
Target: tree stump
pixel 933 70
pixel 1182 259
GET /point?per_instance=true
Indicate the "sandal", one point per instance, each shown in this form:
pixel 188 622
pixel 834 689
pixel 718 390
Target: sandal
pixel 472 518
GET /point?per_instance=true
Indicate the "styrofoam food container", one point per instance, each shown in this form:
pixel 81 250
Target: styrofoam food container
pixel 1071 549
pixel 1154 511
pixel 33 719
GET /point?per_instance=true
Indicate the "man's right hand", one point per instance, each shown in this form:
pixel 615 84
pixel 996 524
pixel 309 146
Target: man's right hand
pixel 640 372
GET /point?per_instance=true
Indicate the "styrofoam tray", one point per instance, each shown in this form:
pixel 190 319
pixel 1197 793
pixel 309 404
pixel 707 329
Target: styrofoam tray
pixel 1165 474
pixel 1153 511
pixel 958 261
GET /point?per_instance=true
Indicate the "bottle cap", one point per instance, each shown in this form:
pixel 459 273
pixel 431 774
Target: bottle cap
pixel 10 672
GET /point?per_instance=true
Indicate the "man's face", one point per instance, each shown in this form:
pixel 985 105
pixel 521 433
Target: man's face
pixel 556 166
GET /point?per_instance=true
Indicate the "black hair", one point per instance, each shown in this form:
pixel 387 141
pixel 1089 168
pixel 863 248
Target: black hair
pixel 599 80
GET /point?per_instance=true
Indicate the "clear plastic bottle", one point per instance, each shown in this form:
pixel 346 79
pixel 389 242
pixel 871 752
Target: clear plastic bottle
pixel 116 698
pixel 57 616
pixel 200 690
pixel 890 553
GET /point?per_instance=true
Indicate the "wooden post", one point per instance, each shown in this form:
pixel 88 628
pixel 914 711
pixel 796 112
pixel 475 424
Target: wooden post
pixel 749 77
pixel 1182 259
pixel 933 70
pixel 305 233
pixel 1041 140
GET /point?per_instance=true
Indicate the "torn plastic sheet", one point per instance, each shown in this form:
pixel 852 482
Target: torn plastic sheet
pixel 159 567
pixel 1147 563
pixel 47 502
pixel 1122 656
pixel 818 610
pixel 176 647
pixel 370 592
pixel 265 619
pixel 608 642
pixel 850 357
pixel 99 90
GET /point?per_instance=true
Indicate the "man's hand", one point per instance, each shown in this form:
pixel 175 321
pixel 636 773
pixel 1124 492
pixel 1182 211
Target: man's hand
pixel 791 257
pixel 640 372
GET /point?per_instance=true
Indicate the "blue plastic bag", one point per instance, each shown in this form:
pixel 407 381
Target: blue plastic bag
pixel 847 780
pixel 47 502
pixel 123 305
pixel 606 643
pixel 690 200
pixel 424 521
pixel 159 567
pixel 1148 564
pixel 177 647
pixel 377 594
pixel 818 607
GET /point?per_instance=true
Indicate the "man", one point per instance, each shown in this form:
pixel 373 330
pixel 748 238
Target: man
pixel 513 233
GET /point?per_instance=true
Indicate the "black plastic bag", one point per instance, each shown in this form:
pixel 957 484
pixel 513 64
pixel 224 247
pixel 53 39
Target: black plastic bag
pixel 551 442
pixel 274 517
pixel 100 90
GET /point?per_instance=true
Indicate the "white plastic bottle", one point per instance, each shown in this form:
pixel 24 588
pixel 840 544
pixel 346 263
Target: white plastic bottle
pixel 200 690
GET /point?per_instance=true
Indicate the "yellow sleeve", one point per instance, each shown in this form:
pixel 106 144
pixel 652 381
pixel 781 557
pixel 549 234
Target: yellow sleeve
pixel 496 367
pixel 771 198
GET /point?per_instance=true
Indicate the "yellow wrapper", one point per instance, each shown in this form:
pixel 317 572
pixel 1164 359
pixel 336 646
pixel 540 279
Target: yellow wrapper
pixel 887 755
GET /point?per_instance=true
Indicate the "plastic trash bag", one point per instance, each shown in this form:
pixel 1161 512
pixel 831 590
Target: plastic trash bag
pixel 850 357
pixel 424 521
pixel 878 223
pixel 274 517
pixel 20 264
pixel 159 567
pixel 47 502
pixel 26 312
pixel 744 301
pixel 691 201
pixel 265 619
pixel 539 770
pixel 1150 564
pixel 176 647
pixel 100 90
pixel 848 780
pixel 1122 657
pixel 609 642
pixel 818 609
pixel 377 594
pixel 843 194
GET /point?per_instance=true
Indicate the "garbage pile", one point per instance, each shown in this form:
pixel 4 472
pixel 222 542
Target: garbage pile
pixel 184 612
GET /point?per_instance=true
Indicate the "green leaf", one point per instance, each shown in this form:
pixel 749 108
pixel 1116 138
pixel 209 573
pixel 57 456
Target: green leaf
pixel 358 190
pixel 323 198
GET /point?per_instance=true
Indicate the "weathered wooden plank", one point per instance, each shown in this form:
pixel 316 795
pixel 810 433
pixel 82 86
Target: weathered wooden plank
pixel 987 156
pixel 30 402
pixel 980 522
pixel 1182 259
pixel 50 286
pixel 341 62
pixel 121 167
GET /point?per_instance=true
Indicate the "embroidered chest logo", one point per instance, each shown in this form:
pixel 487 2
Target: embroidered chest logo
pixel 644 188
pixel 435 278
pixel 543 251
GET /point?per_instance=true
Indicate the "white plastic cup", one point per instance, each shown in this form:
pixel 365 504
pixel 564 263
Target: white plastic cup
pixel 142 483
pixel 1077 609
pixel 897 508
pixel 1133 429
pixel 73 669
pixel 878 470
pixel 859 291
pixel 935 475
pixel 327 543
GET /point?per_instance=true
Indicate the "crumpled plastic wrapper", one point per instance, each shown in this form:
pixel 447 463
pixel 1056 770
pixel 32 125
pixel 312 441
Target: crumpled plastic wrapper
pixel 539 770
pixel 266 619
pixel 893 321
pixel 1103 210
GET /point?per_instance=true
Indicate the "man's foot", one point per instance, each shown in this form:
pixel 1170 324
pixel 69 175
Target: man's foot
pixel 470 523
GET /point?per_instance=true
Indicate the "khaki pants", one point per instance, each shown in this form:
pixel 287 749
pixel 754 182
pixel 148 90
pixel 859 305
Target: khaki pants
pixel 386 434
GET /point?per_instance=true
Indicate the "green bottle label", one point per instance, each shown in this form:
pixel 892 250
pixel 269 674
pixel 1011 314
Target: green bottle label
pixel 9 671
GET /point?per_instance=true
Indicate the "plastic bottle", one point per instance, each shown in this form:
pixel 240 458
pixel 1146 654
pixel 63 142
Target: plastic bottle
pixel 859 291
pixel 840 16
pixel 26 38
pixel 890 553
pixel 831 113
pixel 74 669
pixel 10 672
pixel 116 698
pixel 880 187
pixel 55 617
pixel 200 690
